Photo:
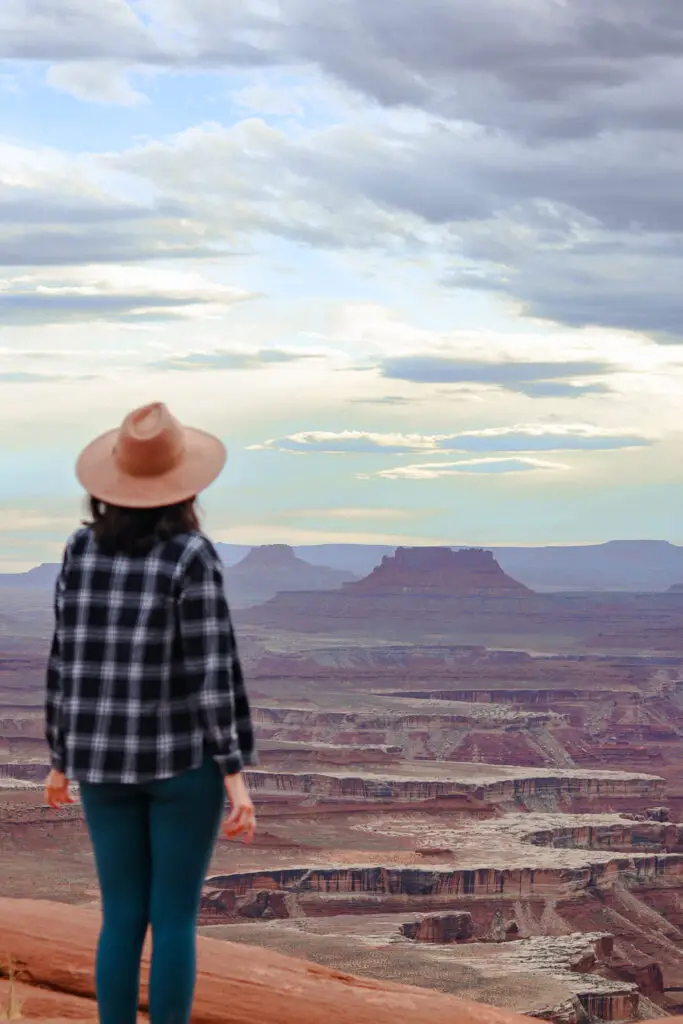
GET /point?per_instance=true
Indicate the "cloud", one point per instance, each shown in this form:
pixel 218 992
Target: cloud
pixel 559 389
pixel 26 377
pixel 64 30
pixel 94 82
pixel 559 228
pixel 521 438
pixel 466 467
pixel 539 66
pixel 33 308
pixel 354 513
pixel 562 119
pixel 549 438
pixel 224 359
pixel 252 179
pixel 25 519
pixel 536 68
pixel 392 400
pixel 535 379
pixel 266 100
pixel 348 442
pixel 113 294
pixel 75 246
pixel 53 213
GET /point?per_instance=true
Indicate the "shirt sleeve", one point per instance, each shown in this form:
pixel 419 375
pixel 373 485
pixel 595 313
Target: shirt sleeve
pixel 54 730
pixel 212 665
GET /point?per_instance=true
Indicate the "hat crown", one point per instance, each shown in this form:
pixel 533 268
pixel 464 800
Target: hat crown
pixel 150 442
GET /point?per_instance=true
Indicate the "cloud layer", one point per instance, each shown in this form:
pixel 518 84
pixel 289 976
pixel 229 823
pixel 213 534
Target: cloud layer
pixel 225 359
pixel 131 294
pixel 562 120
pixel 433 241
pixel 548 380
pixel 523 438
pixel 469 467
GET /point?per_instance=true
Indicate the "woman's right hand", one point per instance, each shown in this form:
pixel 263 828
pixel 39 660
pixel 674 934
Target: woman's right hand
pixel 241 820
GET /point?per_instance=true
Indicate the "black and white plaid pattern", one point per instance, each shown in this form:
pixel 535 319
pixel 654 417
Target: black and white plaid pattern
pixel 144 674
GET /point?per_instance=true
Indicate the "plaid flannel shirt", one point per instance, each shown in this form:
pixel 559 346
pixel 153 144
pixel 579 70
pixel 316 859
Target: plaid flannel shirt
pixel 144 676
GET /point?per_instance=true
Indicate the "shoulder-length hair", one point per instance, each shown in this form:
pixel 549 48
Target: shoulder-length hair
pixel 135 531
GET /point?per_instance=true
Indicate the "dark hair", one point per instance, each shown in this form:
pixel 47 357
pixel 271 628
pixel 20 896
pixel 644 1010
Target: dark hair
pixel 135 531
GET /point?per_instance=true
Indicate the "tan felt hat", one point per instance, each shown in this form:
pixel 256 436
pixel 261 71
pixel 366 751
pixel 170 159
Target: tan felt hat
pixel 150 460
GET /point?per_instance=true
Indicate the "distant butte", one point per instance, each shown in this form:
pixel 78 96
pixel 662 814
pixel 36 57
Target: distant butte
pixel 270 556
pixel 283 563
pixel 446 589
pixel 272 568
pixel 439 572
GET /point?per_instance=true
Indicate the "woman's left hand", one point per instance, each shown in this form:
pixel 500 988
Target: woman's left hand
pixel 57 790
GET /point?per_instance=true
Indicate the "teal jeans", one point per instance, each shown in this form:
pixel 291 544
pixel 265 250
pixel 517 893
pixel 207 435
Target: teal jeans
pixel 152 844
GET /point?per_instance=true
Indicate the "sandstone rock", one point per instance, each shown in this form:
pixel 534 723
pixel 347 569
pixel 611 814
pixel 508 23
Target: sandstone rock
pixel 38 1004
pixel 253 905
pixel 440 928
pixel 592 997
pixel 283 905
pixel 583 962
pixel 597 873
pixel 503 929
pixel 647 976
pixel 600 1007
pixel 266 905
pixel 217 903
pixel 569 1012
pixel 54 945
pixel 502 785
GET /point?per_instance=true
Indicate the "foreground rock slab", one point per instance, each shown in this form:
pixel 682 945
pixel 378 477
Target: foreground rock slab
pixel 38 1004
pixel 53 945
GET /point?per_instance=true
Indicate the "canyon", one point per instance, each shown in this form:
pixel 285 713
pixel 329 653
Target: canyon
pixel 499 823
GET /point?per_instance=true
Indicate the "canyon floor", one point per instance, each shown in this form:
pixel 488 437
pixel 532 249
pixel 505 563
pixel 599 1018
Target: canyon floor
pixel 493 824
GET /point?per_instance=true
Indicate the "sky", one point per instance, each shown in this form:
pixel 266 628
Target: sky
pixel 418 264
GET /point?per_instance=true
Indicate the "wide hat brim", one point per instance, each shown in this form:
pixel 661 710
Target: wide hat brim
pixel 202 461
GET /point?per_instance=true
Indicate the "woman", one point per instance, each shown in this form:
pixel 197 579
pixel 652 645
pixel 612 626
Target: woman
pixel 146 707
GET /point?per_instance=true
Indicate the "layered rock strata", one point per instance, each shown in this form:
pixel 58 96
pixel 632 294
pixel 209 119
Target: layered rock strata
pixel 505 881
pixel 503 786
pixel 440 928
pixel 638 871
